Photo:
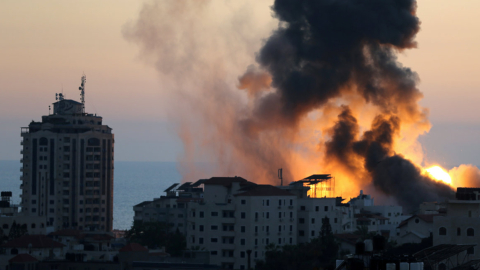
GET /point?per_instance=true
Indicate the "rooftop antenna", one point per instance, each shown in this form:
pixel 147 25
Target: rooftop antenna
pixel 280 176
pixel 82 92
pixel 59 96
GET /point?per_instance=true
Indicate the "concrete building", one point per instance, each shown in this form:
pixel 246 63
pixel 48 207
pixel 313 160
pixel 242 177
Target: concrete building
pixel 67 172
pixel 461 223
pixel 382 219
pixel 415 229
pixel 233 218
pixel 236 216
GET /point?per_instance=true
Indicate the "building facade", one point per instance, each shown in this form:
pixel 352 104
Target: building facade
pixel 461 223
pixel 67 171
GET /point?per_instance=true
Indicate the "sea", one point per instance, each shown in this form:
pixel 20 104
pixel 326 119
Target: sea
pixel 134 182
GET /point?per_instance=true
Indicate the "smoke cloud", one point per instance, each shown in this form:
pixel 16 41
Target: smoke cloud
pixel 323 91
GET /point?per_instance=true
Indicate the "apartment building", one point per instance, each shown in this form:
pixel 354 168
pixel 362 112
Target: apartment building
pixel 67 168
pixel 237 220
pixel 461 222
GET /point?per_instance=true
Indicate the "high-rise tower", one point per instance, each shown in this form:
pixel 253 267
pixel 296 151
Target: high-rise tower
pixel 68 168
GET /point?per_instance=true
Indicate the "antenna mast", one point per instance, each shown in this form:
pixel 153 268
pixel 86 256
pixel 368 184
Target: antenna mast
pixel 82 92
pixel 280 176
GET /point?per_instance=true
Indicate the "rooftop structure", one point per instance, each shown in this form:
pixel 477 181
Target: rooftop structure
pixel 67 172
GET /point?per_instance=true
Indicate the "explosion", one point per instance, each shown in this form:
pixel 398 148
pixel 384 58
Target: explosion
pixel 319 90
pixel 439 174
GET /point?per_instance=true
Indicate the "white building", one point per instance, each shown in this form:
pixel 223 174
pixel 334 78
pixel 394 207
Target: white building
pixel 230 216
pixel 415 229
pixel 67 172
pixel 382 219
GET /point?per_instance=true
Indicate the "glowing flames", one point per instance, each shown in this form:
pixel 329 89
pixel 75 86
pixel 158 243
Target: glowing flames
pixel 439 174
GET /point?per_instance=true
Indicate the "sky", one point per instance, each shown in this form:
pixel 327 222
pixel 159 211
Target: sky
pixel 46 46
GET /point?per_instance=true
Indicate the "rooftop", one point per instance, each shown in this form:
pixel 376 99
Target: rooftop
pixel 36 241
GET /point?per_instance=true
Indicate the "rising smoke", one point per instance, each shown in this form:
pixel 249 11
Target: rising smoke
pixel 324 94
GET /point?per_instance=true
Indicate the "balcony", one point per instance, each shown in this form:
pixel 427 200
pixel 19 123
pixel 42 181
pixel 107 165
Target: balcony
pixel 21 169
pixel 21 177
pixel 21 142
pixel 21 160
pixel 25 130
pixel 21 152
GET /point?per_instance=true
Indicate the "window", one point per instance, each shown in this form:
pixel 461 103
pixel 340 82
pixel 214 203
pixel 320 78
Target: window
pixel 267 215
pixel 317 208
pixel 242 242
pixel 301 233
pixel 471 250
pixel 417 220
pixel 228 214
pixel 313 233
pixel 291 214
pixel 200 228
pixel 335 220
pixel 279 214
pixel 242 215
pixel 242 229
pixel 302 208
pixel 313 221
pixel 214 227
pixel 256 229
pixel 213 252
pixel 291 228
pixel 268 202
pixel 243 202
pixel 33 226
pixel 256 215
pixel 201 214
pixel 256 242
pixel 301 220
pixel 267 228
pixel 227 253
pixel 228 227
pixel 193 239
pixel 214 214
pixel 325 208
pixel 459 231
pixel 470 232
pixel 214 240
pixel 200 240
pixel 442 231
pixel 291 202
pixel 279 202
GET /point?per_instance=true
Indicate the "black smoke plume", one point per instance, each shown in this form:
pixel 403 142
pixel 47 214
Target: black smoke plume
pixel 324 49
